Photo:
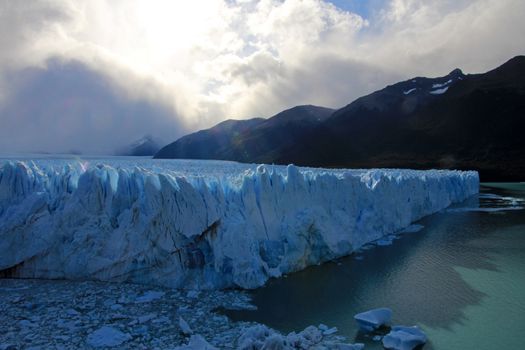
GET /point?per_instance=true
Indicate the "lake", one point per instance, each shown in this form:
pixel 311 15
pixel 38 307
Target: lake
pixel 461 279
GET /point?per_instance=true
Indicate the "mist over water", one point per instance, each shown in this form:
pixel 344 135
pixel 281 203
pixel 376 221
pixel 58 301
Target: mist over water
pixel 462 279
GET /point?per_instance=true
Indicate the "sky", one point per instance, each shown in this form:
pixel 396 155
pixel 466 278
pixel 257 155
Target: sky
pixel 91 76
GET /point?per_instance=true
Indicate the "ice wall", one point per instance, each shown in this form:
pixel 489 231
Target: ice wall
pixel 205 229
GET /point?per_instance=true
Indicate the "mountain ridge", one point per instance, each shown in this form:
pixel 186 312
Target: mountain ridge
pixel 462 121
pixel 250 140
pixel 145 146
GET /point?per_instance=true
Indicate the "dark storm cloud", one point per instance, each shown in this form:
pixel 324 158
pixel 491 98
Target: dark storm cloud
pixel 66 106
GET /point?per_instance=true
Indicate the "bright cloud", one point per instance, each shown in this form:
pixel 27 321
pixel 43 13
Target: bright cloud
pixel 195 63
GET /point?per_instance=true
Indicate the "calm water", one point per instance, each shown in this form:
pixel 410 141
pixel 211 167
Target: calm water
pixel 462 279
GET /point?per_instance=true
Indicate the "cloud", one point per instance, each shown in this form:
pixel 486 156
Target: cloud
pixel 194 64
pixel 423 37
pixel 67 107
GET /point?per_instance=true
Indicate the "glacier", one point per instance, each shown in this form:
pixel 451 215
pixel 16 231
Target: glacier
pixel 202 224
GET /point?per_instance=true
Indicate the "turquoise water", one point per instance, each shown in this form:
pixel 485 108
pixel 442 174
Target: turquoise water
pixel 461 279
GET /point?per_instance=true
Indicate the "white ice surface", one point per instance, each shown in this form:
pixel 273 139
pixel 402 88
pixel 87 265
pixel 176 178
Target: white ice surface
pixel 202 224
pixel 404 338
pixel 408 92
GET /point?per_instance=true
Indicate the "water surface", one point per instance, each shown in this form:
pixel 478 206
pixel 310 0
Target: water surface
pixel 461 278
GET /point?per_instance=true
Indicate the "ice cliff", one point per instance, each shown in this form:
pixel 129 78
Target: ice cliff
pixel 202 224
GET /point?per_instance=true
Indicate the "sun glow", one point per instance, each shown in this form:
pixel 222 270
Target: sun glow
pixel 170 27
pixel 163 35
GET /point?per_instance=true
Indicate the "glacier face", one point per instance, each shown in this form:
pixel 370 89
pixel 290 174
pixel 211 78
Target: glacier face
pixel 201 224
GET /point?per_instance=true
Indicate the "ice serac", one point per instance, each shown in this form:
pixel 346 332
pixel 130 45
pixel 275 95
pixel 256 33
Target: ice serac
pixel 203 228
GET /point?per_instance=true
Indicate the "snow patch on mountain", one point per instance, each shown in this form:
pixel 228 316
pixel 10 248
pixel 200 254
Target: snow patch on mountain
pixel 440 85
pixel 439 91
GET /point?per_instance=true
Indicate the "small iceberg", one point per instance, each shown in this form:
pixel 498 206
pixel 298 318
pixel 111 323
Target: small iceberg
pixel 149 296
pixel 404 338
pixel 371 320
pixel 260 337
pixel 107 337
pixel 197 342
pixel 185 327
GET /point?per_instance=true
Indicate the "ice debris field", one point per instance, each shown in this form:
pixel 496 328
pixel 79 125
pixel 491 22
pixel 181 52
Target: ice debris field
pixel 201 224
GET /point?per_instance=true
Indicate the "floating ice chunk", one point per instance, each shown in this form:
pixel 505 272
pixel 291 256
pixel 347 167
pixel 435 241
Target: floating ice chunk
pixel 311 334
pixel 197 342
pixel 107 337
pixel 404 338
pixel 149 296
pixel 439 91
pixel 261 337
pixel 408 92
pixel 275 341
pixel 185 327
pixel 330 331
pixel 323 327
pixel 254 337
pixel 371 320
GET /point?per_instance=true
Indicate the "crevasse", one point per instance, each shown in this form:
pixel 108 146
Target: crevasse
pixel 203 229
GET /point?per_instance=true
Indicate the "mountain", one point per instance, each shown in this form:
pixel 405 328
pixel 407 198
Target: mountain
pixel 207 144
pixel 458 121
pixel 146 146
pixel 253 140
